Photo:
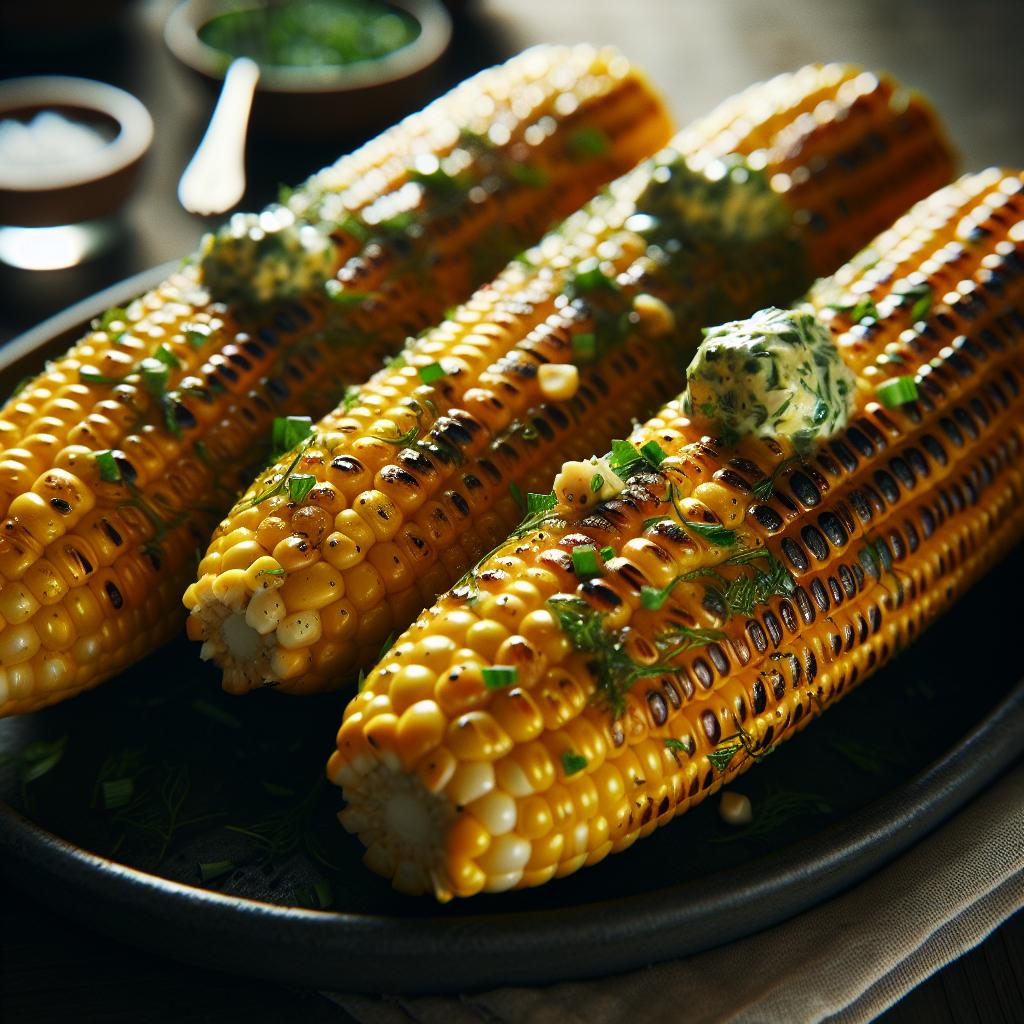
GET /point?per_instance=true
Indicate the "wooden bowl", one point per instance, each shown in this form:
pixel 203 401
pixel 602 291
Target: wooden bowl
pixel 316 103
pixel 87 188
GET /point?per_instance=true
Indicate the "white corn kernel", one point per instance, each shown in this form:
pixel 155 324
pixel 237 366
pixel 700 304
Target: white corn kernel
pixel 470 781
pixel 265 611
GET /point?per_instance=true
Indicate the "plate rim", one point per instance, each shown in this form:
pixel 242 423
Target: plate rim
pixel 387 953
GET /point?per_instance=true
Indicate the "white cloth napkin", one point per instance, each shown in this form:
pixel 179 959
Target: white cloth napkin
pixel 843 962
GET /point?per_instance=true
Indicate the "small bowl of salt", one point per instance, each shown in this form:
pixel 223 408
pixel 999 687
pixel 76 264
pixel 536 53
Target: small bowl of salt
pixel 70 153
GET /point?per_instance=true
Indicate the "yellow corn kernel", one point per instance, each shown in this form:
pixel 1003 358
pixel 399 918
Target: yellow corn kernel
pixel 295 553
pixel 379 513
pixel 496 811
pixel 313 587
pixel 288 664
pixel 265 611
pixel 436 769
pixel 534 819
pixel 412 684
pixel 230 588
pixel 271 531
pixel 475 735
pixel 18 644
pixel 363 587
pixel 17 603
pixel 339 620
pixel 341 551
pixel 241 555
pixel 56 630
pixel 394 570
pixel 517 713
pixel 38 517
pixel 263 574
pixel 469 781
pixel 301 629
pixel 45 582
pixel 420 729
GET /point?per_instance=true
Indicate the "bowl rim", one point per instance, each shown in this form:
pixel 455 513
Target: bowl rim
pixel 133 139
pixel 181 35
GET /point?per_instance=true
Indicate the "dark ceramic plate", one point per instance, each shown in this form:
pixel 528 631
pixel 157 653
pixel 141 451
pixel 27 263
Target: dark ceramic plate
pixel 120 801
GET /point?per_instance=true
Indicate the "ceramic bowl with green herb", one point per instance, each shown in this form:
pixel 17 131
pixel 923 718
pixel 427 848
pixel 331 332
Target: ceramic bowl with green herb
pixel 327 67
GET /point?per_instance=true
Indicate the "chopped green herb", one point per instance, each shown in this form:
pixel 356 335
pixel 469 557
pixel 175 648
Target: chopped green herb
pixel 584 561
pixel 342 296
pixel 573 763
pixel 536 503
pixel 652 453
pixel 288 431
pixel 498 677
pixel 762 490
pixel 607 553
pixel 596 483
pixel 921 296
pixel 589 277
pixel 197 335
pixel 686 745
pixel 433 371
pixel 270 572
pixel 584 347
pixel 721 757
pixel 39 758
pixel 117 793
pixel 714 533
pixel 209 710
pixel 528 174
pixel 517 495
pixel 300 485
pixel 897 391
pixel 215 869
pixel 587 143
pixel 154 375
pixel 167 357
pixel 110 472
pixel 351 398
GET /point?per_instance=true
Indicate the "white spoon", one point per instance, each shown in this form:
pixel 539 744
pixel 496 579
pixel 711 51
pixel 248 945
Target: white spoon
pixel 214 180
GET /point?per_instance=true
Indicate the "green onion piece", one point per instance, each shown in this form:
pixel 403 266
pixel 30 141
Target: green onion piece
pixel 584 561
pixel 584 347
pixel 87 375
pixel 215 869
pixel 118 793
pixel 897 391
pixel 607 553
pixel 652 598
pixel 109 470
pixel 498 677
pixel 167 357
pixel 300 485
pixel 112 316
pixel 289 431
pixel 596 482
pixel 433 371
pixel 154 376
pixel 197 335
pixel 270 572
pixel 573 762
pixel 653 453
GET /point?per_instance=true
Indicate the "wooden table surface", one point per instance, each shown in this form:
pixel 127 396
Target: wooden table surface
pixel 964 55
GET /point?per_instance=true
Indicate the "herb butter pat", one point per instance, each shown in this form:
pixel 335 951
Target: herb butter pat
pixel 778 375
pixel 259 258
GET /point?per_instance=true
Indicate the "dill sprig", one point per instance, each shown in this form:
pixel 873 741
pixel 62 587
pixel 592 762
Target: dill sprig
pixel 762 490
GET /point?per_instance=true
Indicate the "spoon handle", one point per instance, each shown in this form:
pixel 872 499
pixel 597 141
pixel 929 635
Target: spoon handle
pixel 214 180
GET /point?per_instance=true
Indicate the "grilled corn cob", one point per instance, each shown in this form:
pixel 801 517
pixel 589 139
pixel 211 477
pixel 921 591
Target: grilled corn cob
pixel 403 487
pixel 280 312
pixel 557 708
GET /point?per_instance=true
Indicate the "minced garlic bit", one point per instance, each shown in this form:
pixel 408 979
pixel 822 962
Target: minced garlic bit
pixel 735 808
pixel 580 485
pixel 558 381
pixel 778 375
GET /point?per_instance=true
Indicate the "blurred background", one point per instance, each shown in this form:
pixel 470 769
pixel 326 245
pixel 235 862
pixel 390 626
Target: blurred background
pixel 697 51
